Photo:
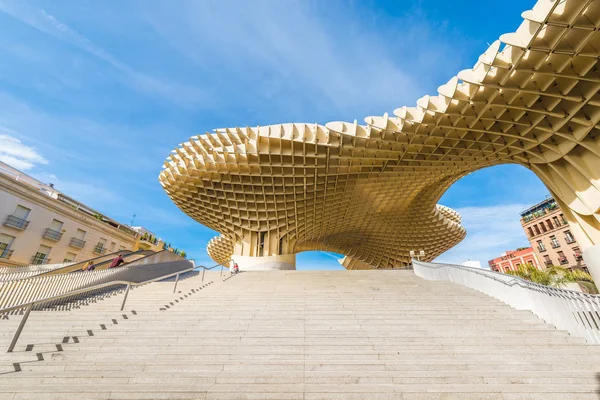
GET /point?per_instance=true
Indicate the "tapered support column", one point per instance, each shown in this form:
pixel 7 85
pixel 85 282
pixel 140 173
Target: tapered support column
pixel 591 256
pixel 279 262
pixel 574 181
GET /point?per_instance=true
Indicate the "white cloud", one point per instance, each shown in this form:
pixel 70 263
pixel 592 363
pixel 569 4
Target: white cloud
pixel 16 154
pixel 490 232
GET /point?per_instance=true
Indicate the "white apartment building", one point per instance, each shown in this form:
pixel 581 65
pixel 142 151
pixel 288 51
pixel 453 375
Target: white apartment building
pixel 40 225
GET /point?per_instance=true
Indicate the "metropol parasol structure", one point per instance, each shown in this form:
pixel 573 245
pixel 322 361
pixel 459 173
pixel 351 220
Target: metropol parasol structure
pixel 369 190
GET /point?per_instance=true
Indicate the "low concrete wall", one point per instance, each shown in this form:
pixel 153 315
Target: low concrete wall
pixel 160 257
pixel 143 273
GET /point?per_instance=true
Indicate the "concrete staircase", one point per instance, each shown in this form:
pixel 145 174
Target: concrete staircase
pixel 297 335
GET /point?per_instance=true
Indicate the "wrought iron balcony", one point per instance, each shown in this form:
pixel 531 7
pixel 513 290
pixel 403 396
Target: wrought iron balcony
pixel 52 234
pixel 5 253
pixel 16 222
pixel 40 258
pixel 78 243
pixel 100 249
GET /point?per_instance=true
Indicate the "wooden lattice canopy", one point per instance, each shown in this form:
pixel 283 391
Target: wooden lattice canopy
pixel 370 191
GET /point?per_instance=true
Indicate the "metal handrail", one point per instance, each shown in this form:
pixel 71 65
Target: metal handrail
pixel 29 305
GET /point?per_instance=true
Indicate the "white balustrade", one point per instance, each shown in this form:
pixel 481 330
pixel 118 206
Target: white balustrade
pixel 575 312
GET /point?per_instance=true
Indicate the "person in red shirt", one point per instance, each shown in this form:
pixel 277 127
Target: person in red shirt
pixel 117 261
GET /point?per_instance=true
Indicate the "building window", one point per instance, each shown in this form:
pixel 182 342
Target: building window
pixel 100 248
pixel 561 258
pixel 547 260
pixel 554 241
pixel 577 254
pixel 530 232
pixel 541 246
pixel 517 266
pixel 5 242
pixel 41 257
pixel 569 237
pixel 70 257
pixel 543 227
pixel 556 221
pixel 537 231
pixel 549 223
pixel 54 232
pixel 56 225
pixel 111 248
pixel 564 221
pixel 21 212
pixel 18 219
pixel 78 241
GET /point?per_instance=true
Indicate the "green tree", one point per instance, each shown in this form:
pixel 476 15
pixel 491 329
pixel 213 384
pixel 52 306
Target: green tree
pixel 554 276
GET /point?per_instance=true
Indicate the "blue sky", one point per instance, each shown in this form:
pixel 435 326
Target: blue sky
pixel 94 95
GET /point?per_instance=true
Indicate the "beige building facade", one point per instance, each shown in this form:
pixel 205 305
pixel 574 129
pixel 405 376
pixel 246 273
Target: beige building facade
pixel 40 225
pixel 369 190
pixel 551 236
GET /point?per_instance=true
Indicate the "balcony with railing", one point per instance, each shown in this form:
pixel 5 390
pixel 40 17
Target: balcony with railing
pixel 100 249
pixel 569 239
pixel 16 222
pixel 539 210
pixel 40 258
pixel 563 260
pixel 77 243
pixel 52 234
